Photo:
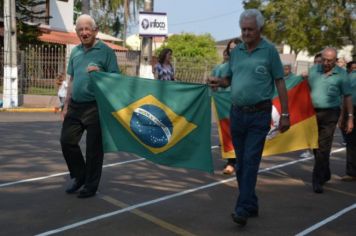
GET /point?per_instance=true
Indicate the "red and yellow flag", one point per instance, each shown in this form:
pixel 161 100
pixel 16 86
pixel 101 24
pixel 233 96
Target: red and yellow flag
pixel 303 133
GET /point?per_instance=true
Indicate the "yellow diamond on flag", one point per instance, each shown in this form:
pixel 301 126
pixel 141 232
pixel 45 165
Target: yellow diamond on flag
pixel 153 124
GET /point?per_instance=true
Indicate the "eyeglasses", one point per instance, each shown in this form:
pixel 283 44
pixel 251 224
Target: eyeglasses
pixel 81 29
pixel 328 60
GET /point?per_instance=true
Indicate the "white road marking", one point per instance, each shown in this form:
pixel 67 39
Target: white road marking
pixel 161 199
pixel 327 220
pixel 62 173
pixel 66 173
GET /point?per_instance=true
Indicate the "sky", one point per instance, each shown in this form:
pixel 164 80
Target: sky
pixel 217 17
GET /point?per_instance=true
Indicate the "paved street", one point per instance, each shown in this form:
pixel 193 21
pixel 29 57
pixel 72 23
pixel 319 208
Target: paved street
pixel 137 197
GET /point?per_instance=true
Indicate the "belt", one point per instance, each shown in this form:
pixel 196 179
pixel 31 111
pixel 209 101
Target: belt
pixel 327 109
pixel 82 104
pixel 265 105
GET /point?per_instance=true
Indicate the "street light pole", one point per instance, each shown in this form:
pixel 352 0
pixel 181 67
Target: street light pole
pixel 10 87
pixel 146 51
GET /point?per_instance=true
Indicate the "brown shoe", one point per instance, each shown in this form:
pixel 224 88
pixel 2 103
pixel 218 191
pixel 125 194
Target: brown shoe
pixel 229 170
pixel 348 178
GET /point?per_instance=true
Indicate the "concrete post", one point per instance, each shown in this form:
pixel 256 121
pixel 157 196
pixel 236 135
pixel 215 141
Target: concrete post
pixel 146 49
pixel 10 88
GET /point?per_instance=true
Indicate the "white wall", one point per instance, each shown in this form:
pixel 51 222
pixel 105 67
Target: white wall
pixel 62 15
pixel 134 41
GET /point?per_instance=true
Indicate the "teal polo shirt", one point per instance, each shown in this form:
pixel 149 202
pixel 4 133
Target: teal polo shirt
pixel 326 90
pixel 253 73
pixel 291 80
pixel 352 76
pixel 220 71
pixel 100 55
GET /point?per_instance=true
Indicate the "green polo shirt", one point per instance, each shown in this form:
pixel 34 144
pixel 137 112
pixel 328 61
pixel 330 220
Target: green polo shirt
pixel 352 76
pixel 100 55
pixel 220 71
pixel 253 73
pixel 326 90
pixel 291 80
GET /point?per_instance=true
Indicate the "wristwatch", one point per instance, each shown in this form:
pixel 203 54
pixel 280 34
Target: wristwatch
pixel 285 115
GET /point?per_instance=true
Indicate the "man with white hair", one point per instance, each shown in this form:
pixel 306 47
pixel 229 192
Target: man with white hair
pixel 328 83
pixel 80 112
pixel 254 69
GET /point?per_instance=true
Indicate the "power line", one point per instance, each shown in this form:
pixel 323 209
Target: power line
pixel 206 19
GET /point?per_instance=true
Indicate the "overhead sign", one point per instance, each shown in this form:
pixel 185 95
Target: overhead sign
pixel 153 24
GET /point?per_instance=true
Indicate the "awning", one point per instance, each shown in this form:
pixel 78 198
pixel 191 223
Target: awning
pixel 71 38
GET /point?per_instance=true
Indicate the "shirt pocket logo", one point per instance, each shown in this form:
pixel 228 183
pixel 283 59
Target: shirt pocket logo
pixel 262 70
pixel 333 91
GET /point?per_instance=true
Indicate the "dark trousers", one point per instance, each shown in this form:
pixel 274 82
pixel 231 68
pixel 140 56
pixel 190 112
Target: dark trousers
pixel 351 150
pixel 248 131
pixel 81 117
pixel 327 120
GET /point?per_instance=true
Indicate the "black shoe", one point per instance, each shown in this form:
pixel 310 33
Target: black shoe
pixel 74 186
pixel 85 193
pixel 318 188
pixel 240 220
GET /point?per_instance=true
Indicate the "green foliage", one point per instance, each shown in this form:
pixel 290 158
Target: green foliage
pixel 252 4
pixel 308 24
pixel 41 91
pixel 191 47
pixel 112 16
pixel 28 10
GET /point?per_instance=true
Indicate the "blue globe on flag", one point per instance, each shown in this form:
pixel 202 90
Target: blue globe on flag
pixel 151 125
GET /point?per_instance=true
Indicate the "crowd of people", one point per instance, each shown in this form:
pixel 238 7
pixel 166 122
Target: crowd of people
pixel 251 70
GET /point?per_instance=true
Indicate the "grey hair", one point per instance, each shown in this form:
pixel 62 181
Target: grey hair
pixel 329 49
pixel 249 13
pixel 86 18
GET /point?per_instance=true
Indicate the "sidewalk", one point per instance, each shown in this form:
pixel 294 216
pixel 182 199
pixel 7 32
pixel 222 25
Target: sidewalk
pixel 34 103
pixel 29 109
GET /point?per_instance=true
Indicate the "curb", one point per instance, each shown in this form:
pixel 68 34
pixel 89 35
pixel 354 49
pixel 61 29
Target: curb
pixel 23 109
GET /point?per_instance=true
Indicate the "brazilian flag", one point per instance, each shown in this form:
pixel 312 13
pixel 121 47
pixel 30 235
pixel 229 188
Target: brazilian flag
pixel 165 122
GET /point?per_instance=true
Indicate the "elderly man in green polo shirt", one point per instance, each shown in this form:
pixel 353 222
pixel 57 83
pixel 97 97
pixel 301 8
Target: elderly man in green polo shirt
pixel 329 84
pixel 254 69
pixel 80 111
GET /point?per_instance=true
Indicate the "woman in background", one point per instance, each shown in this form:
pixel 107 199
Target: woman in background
pixel 164 70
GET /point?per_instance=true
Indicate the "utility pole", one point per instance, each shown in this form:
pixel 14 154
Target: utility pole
pixel 10 88
pixel 86 7
pixel 146 51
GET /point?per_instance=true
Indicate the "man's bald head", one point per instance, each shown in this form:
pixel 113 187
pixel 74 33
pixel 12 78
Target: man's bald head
pixel 330 51
pixel 329 56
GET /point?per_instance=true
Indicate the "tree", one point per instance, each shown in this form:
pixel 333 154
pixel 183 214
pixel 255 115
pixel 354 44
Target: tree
pixel 190 47
pixel 112 16
pixel 85 6
pixel 28 12
pixel 123 11
pixel 308 24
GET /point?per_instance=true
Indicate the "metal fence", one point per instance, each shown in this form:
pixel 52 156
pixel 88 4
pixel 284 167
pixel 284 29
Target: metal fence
pixel 39 65
pixel 39 68
pixel 192 71
pixel 129 62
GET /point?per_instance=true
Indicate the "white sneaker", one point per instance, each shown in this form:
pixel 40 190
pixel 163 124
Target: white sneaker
pixel 306 154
